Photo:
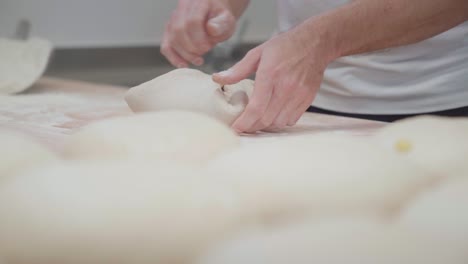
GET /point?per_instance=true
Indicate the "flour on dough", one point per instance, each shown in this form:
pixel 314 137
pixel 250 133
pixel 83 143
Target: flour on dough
pixel 191 90
pixel 318 175
pixel 334 241
pixel 22 63
pixel 442 212
pixel 123 212
pixel 171 135
pixel 19 153
pixel 436 144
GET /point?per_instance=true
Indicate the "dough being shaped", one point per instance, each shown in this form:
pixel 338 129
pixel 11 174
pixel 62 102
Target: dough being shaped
pixel 442 212
pixel 19 153
pixel 170 135
pixel 436 144
pixel 318 175
pixel 191 90
pixel 334 241
pixel 122 212
pixel 22 63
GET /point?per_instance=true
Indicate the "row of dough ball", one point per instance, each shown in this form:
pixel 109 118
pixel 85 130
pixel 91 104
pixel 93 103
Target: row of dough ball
pixel 19 153
pixel 435 144
pixel 93 212
pixel 144 204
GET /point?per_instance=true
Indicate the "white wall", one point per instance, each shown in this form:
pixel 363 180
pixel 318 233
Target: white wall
pixel 97 23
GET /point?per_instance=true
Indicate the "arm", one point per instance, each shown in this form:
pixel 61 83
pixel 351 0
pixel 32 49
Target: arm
pixel 290 66
pixel 369 25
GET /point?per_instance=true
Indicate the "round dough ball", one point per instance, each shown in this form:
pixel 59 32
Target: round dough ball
pixel 19 153
pixel 112 212
pixel 191 90
pixel 318 175
pixel 442 212
pixel 334 242
pixel 436 144
pixel 22 63
pixel 170 135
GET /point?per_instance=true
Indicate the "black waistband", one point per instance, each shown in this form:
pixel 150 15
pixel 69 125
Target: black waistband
pixel 457 112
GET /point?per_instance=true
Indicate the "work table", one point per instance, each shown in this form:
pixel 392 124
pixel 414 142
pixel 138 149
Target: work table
pixel 54 108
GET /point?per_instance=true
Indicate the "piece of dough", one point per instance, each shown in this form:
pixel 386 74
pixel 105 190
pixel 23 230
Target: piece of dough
pixel 335 241
pixel 191 90
pixel 170 135
pixel 120 212
pixel 19 153
pixel 318 175
pixel 22 63
pixel 436 144
pixel 442 212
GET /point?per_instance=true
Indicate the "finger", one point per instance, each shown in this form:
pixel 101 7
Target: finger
pixel 257 105
pixel 180 40
pixel 291 108
pixel 174 58
pixel 196 27
pixel 170 54
pixel 181 48
pixel 241 70
pixel 282 94
pixel 222 26
pixel 301 110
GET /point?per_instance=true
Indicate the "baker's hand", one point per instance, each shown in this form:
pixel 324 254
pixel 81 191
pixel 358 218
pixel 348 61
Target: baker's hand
pixel 194 28
pixel 289 70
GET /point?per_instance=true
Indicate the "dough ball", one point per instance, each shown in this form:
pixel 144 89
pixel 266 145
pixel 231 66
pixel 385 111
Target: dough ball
pixel 437 144
pixel 344 241
pixel 318 175
pixel 171 135
pixel 191 90
pixel 22 63
pixel 112 212
pixel 19 153
pixel 442 212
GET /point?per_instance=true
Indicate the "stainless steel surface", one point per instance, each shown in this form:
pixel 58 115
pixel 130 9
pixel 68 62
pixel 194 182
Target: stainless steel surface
pixel 126 66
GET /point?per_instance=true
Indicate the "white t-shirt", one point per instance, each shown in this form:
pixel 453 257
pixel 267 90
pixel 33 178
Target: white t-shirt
pixel 428 76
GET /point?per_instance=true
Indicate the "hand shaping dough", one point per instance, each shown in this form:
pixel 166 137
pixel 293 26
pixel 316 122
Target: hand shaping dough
pixel 170 135
pixel 436 144
pixel 22 63
pixel 335 241
pixel 318 175
pixel 191 90
pixel 121 212
pixel 19 153
pixel 442 212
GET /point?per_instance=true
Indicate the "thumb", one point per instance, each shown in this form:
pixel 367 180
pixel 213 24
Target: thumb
pixel 221 26
pixel 242 70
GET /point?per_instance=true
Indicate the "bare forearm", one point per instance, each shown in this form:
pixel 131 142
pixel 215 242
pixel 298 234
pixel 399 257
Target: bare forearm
pixel 238 6
pixel 369 25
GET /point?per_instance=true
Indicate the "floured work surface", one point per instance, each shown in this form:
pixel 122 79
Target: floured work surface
pixel 54 108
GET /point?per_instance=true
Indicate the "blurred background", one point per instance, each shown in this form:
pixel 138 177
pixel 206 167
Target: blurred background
pixel 117 41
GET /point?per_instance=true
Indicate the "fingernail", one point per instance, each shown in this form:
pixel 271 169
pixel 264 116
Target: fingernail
pixel 219 25
pixel 217 29
pixel 224 73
